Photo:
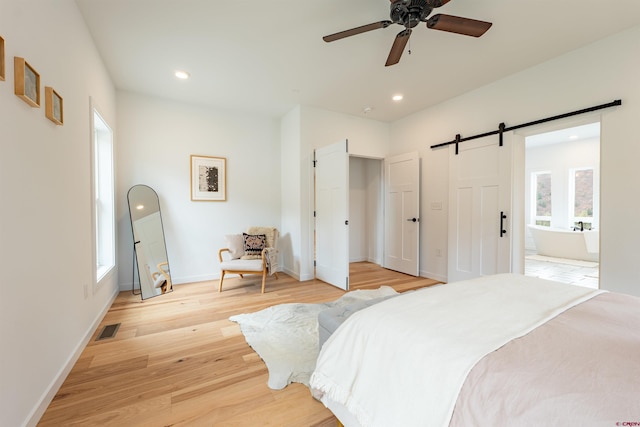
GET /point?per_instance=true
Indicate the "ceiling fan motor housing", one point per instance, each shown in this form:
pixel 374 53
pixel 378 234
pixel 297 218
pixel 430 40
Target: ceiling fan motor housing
pixel 410 13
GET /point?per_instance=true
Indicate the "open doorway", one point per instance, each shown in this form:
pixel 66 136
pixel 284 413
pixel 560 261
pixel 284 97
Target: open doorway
pixel 562 205
pixel 347 212
pixel 350 219
pixel 366 221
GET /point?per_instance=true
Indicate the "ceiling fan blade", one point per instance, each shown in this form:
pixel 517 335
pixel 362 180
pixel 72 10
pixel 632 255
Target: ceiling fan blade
pixel 357 30
pixel 457 24
pixel 398 47
pixel 437 3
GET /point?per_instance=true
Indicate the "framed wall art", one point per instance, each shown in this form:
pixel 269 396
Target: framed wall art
pixel 53 106
pixel 2 73
pixel 208 178
pixel 27 82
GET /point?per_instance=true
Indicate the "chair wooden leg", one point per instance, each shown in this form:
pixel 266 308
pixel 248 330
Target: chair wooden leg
pixel 221 279
pixel 264 279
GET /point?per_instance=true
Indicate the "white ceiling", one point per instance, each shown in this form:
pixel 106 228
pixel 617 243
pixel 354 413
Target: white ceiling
pixel 265 57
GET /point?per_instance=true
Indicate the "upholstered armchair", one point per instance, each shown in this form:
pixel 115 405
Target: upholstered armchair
pixel 253 252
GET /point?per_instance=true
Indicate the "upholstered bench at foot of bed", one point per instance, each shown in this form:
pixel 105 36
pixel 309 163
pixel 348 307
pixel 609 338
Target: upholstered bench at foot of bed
pixel 330 319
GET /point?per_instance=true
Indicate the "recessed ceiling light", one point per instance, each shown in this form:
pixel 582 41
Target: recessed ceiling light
pixel 573 136
pixel 397 97
pixel 140 207
pixel 183 75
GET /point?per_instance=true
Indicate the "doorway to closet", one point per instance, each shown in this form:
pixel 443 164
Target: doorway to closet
pixel 352 221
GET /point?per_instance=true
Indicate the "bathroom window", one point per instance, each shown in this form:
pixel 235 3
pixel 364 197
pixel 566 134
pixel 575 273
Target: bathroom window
pixel 104 196
pixel 581 197
pixel 541 182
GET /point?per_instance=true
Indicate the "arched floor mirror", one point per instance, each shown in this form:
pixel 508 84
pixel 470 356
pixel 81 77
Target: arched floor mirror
pixel 151 264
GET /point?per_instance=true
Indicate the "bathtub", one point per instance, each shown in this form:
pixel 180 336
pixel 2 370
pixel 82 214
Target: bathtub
pixel 559 243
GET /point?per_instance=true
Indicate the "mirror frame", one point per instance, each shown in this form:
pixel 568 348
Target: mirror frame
pixel 155 278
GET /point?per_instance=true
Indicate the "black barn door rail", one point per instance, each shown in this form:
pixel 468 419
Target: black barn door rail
pixel 503 128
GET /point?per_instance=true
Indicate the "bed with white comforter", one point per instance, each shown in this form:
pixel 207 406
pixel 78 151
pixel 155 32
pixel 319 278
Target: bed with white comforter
pixel 498 350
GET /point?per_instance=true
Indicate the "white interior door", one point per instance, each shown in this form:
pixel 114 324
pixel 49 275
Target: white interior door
pixel 402 216
pixel 480 207
pixel 332 214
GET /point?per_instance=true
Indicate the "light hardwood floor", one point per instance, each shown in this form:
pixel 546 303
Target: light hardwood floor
pixel 177 360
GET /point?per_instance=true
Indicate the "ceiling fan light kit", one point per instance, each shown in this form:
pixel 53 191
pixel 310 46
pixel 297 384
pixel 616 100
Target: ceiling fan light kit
pixel 409 13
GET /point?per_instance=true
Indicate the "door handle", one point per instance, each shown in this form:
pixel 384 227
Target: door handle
pixel 413 220
pixel 502 218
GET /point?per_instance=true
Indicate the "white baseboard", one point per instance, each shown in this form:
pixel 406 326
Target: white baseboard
pixel 434 276
pixel 178 280
pixel 294 274
pixel 194 279
pixel 50 393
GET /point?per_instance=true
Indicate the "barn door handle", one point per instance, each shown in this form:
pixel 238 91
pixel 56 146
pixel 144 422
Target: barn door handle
pixel 502 218
pixel 413 219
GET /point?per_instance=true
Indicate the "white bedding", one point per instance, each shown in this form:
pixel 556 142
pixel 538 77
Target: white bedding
pixel 432 357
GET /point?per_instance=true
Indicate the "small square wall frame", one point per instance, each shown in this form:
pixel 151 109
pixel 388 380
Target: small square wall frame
pixel 53 106
pixel 2 72
pixel 27 82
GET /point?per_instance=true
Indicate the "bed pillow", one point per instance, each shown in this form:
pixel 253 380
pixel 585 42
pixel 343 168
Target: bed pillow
pixel 253 245
pixel 235 243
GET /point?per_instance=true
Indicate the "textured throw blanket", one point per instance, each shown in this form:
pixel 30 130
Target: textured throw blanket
pixel 403 362
pixel 271 259
pixel 286 335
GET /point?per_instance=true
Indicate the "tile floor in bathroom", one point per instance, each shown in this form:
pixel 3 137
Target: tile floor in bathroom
pixel 576 272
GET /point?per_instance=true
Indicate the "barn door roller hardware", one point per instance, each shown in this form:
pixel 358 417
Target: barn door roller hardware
pixel 502 128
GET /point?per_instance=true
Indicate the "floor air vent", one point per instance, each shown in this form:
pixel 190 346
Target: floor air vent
pixel 108 331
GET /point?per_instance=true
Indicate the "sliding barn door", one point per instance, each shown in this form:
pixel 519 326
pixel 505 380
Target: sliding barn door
pixel 332 214
pixel 480 207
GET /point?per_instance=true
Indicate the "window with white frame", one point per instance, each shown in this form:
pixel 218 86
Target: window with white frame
pixel 104 196
pixel 541 203
pixel 581 198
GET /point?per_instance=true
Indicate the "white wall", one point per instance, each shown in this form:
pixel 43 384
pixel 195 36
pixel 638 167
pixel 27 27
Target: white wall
pixel 156 140
pixel 596 74
pixel 358 238
pixel 291 208
pixel 375 210
pixel 45 193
